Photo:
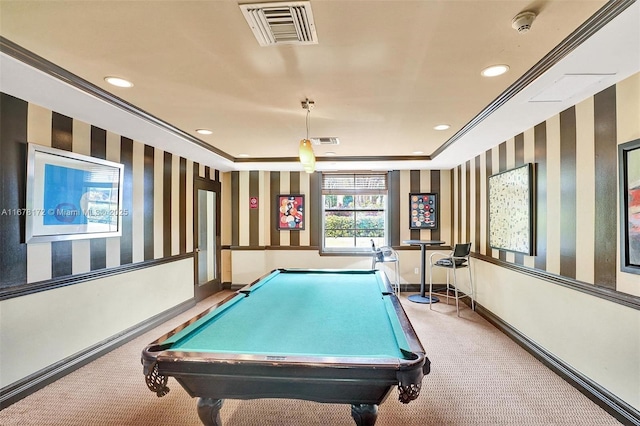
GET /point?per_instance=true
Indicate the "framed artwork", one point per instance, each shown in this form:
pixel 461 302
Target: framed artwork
pixel 71 196
pixel 511 207
pixel 290 212
pixel 423 211
pixel 629 169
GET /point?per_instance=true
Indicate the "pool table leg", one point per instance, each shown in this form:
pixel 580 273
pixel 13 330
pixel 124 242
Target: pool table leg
pixel 209 411
pixel 364 414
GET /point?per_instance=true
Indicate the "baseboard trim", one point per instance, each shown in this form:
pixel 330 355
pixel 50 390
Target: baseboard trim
pixel 16 391
pixel 415 288
pixel 619 409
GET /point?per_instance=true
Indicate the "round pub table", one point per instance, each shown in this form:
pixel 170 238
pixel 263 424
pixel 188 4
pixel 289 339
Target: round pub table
pixel 422 297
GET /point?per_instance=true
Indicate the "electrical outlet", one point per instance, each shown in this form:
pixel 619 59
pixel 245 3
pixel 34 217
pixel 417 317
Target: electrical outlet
pixel 416 271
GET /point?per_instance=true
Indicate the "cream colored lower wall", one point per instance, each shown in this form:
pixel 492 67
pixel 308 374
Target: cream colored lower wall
pixel 598 338
pixel 226 265
pixel 249 265
pixel 41 329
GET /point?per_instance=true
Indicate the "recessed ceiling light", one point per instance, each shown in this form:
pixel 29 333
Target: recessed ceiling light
pixel 494 70
pixel 442 127
pixel 204 131
pixel 243 155
pixel 117 81
pixel 329 153
pixel 418 152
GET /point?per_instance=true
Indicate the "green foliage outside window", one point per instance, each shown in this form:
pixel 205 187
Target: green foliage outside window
pixel 342 226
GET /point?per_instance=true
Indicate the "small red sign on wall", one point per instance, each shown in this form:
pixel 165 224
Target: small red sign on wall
pixel 253 202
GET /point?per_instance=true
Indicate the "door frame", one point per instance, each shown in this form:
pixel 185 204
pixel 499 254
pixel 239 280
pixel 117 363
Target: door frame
pixel 215 285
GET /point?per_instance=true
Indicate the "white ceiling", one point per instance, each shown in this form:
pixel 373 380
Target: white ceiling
pixel 382 75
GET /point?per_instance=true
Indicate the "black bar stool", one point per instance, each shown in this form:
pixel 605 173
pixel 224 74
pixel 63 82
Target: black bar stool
pixel 457 259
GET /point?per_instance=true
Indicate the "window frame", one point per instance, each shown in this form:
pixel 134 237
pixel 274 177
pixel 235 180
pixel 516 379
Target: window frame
pixel 353 191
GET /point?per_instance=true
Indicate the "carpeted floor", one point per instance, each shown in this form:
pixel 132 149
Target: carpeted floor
pixel 478 377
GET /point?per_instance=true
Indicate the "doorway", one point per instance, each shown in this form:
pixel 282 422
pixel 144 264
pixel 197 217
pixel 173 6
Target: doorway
pixel 206 237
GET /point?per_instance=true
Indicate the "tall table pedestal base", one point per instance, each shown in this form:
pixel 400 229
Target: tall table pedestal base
pixel 418 298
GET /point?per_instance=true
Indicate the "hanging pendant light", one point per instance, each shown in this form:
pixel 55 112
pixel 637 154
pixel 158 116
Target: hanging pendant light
pixel 305 152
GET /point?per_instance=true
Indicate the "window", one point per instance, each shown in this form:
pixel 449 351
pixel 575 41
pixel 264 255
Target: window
pixel 354 211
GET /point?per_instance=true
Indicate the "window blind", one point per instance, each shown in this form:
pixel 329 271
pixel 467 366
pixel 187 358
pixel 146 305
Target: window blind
pixel 354 183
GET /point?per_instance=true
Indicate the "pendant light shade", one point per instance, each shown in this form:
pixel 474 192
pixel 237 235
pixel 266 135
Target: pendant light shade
pixel 306 152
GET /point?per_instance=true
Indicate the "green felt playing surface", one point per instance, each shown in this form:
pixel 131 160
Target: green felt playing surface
pixel 308 314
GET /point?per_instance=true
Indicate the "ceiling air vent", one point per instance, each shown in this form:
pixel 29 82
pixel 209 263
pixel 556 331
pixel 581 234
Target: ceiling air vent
pixel 281 23
pixel 325 141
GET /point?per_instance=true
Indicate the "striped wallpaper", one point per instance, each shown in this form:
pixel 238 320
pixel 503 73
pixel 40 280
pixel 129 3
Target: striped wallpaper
pixel 575 155
pixel 576 167
pixel 256 228
pixel 158 193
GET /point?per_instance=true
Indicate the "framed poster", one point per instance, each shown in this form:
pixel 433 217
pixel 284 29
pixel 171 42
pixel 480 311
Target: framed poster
pixel 72 196
pixel 423 210
pixel 629 170
pixel 290 212
pixel 511 202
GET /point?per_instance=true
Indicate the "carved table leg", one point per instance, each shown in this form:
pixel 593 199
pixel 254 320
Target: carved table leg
pixel 209 411
pixel 364 414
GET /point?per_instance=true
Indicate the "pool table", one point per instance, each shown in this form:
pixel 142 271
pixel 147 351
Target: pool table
pixel 332 336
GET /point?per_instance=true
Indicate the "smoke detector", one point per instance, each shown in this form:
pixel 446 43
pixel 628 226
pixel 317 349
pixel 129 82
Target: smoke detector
pixel 522 21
